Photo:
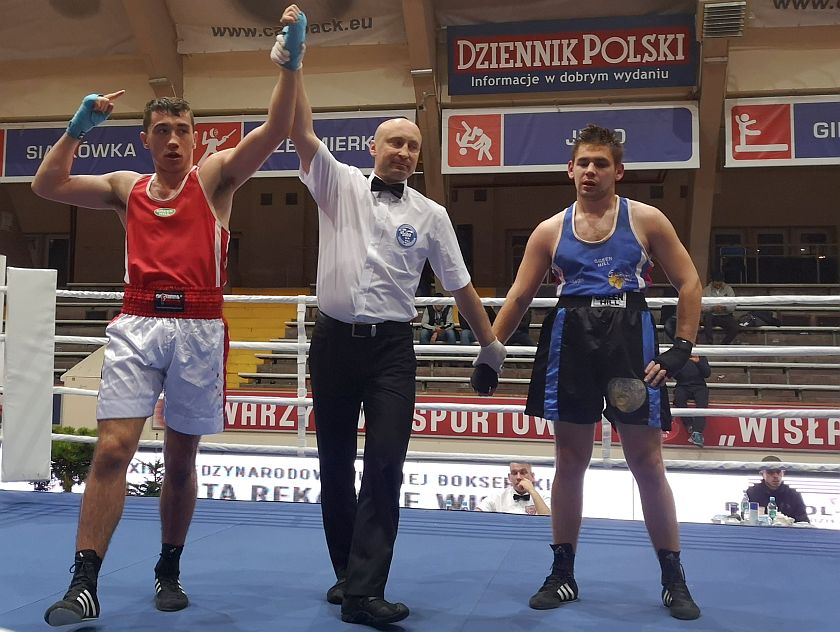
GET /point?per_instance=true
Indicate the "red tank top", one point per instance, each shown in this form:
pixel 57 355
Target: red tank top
pixel 174 243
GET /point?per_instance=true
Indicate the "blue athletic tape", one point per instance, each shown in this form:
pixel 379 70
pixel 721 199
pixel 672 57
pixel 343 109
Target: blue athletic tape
pixel 295 35
pixel 85 118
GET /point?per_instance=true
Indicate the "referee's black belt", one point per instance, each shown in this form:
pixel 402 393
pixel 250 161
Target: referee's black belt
pixel 363 330
pixel 628 300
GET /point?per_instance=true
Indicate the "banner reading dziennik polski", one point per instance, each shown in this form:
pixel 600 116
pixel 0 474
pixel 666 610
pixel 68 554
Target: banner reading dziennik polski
pixel 591 54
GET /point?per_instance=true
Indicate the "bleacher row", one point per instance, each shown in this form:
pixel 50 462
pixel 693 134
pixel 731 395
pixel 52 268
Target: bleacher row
pixel 766 378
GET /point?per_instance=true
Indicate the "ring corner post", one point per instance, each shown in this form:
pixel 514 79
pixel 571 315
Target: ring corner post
pixel 28 388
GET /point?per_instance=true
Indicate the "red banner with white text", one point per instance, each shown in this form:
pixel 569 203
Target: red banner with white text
pixel 785 433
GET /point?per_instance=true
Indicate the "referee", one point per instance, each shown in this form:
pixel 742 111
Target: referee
pixel 375 234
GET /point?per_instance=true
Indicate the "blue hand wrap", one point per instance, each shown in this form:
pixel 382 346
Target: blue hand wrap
pixel 295 35
pixel 85 118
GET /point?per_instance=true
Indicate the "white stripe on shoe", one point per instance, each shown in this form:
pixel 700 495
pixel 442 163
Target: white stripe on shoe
pixel 158 587
pixel 566 593
pixel 88 605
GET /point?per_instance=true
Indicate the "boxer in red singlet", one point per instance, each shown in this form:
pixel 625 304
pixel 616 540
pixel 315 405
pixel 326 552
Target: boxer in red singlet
pixel 170 334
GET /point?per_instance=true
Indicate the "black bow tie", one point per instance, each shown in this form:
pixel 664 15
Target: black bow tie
pixel 395 189
pixel 525 496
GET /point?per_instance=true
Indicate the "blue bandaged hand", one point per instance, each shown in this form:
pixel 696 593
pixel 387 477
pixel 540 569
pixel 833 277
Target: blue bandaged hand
pixel 95 109
pixel 289 48
pixel 86 117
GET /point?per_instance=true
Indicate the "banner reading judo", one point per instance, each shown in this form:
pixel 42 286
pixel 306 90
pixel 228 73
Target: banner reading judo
pixel 655 136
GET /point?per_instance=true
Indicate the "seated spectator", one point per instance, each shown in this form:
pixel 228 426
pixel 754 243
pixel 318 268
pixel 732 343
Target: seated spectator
pixel 788 500
pixel 718 315
pixel 466 336
pixel 691 386
pixel 437 324
pixel 521 497
pixel 522 335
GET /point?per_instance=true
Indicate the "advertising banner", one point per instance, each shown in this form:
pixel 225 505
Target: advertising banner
pixel 608 493
pixel 760 433
pixel 116 145
pixel 591 54
pixel 782 131
pixel 793 13
pixel 230 25
pixel 429 485
pixel 113 146
pixel 655 136
pixel 347 135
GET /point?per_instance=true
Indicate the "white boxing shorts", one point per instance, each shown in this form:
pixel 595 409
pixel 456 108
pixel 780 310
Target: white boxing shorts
pixel 183 357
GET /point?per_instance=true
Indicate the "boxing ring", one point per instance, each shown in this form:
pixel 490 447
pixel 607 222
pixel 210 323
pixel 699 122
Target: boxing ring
pixel 264 566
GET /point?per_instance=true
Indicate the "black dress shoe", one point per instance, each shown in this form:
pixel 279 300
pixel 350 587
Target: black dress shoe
pixel 373 611
pixel 335 595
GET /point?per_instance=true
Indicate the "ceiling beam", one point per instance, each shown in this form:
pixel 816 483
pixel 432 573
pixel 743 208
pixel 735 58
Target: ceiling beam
pixel 714 61
pixel 420 31
pixel 156 37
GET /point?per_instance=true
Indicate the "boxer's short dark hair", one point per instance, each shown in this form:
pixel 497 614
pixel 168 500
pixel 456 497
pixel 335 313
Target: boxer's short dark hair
pixel 600 136
pixel 168 105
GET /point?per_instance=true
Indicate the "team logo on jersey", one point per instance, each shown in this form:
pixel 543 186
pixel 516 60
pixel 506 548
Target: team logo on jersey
pixel 617 279
pixel 164 212
pixel 406 235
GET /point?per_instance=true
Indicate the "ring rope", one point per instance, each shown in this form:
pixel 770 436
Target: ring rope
pixel 513 350
pixel 791 299
pixel 511 408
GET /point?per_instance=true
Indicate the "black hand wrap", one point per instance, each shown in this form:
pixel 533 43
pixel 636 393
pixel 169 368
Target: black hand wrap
pixel 675 358
pixel 484 380
pixel 488 365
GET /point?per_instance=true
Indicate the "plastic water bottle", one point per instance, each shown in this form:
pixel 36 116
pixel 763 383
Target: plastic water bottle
pixel 448 504
pixel 772 509
pixel 465 505
pixel 745 506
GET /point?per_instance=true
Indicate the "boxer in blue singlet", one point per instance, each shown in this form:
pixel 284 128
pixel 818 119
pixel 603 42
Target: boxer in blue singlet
pixel 598 345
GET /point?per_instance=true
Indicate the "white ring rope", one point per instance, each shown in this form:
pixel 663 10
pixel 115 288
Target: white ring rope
pixel 514 350
pixel 510 408
pixel 655 302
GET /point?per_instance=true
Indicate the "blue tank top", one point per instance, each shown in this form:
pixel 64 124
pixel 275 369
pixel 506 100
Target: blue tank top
pixel 612 266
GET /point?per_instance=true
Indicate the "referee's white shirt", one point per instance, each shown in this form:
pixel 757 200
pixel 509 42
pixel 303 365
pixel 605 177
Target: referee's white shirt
pixel 372 246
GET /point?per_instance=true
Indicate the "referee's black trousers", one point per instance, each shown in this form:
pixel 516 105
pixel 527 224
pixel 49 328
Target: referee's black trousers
pixel 379 373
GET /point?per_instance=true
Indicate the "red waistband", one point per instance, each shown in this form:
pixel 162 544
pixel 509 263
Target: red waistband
pixel 193 302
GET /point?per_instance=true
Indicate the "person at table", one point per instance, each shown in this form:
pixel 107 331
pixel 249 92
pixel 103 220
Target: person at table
pixel 788 500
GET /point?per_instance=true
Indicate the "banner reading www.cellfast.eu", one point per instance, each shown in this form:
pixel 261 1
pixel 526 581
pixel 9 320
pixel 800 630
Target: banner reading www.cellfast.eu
pixel 592 54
